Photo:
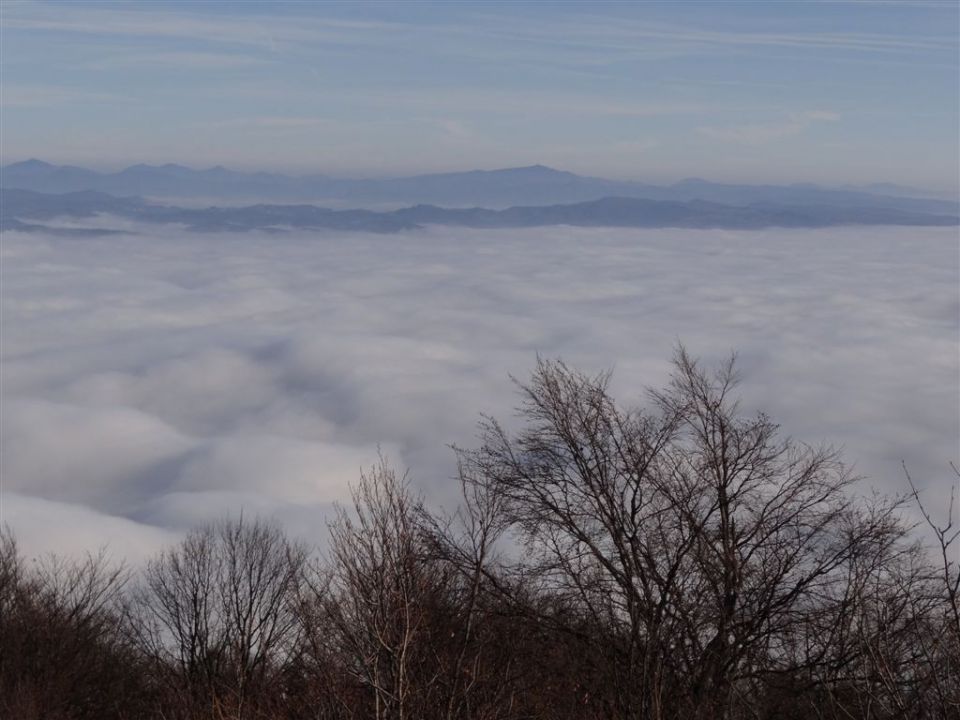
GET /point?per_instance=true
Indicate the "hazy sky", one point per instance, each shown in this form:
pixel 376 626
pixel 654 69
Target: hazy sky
pixel 776 91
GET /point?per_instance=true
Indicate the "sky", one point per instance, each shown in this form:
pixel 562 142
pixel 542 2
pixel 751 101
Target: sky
pixel 825 92
pixel 156 379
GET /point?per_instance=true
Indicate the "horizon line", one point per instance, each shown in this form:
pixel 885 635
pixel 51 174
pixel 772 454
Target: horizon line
pixel 536 166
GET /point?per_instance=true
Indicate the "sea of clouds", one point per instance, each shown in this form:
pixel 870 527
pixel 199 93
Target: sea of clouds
pixel 156 379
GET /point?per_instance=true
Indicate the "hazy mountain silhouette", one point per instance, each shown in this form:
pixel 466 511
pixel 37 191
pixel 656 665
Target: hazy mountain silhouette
pixel 22 208
pixel 535 185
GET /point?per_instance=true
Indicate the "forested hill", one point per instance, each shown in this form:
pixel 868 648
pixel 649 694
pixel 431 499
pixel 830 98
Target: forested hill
pixel 24 209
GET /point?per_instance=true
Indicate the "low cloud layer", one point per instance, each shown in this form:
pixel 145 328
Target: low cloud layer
pixel 157 379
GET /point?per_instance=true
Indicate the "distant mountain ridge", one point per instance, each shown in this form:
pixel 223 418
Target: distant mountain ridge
pixel 535 185
pixel 22 209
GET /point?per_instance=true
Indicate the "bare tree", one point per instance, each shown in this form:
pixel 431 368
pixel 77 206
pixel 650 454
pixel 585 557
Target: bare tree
pixel 946 535
pixel 175 620
pixel 934 604
pixel 476 676
pixel 62 651
pixel 257 586
pixel 693 537
pixel 217 615
pixel 11 571
pixel 378 586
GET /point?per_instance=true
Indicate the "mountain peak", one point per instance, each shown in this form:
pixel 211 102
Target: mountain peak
pixel 535 169
pixel 31 164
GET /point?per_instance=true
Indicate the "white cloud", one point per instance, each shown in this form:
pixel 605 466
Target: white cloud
pixel 288 470
pixel 82 453
pixel 44 527
pixel 156 380
pixel 763 133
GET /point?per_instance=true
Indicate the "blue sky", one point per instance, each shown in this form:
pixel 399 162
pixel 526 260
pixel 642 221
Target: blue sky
pixel 838 92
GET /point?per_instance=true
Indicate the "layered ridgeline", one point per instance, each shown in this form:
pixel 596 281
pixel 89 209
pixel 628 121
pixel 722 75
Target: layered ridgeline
pixel 536 185
pixel 26 210
pixel 34 192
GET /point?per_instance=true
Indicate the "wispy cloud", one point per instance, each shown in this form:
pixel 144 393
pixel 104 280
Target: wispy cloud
pixel 455 129
pixel 763 133
pixel 269 122
pixel 38 96
pixel 494 101
pixel 179 60
pixel 623 33
pixel 570 39
pixel 260 31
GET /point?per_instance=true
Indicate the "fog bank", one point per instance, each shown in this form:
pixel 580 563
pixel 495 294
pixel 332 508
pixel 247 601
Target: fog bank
pixel 156 379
